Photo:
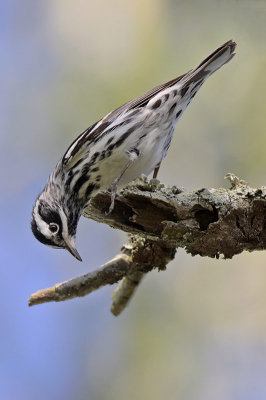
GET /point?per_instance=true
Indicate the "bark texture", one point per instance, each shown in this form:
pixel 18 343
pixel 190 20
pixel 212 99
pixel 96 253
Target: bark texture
pixel 159 219
pixel 208 222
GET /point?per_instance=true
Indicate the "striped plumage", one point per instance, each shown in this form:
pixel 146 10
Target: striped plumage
pixel 129 141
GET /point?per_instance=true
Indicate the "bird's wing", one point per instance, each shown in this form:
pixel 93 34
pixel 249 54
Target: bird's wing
pixel 90 135
pixel 81 145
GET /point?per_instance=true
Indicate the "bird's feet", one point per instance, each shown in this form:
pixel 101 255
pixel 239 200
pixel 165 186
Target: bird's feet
pixel 113 186
pixel 113 190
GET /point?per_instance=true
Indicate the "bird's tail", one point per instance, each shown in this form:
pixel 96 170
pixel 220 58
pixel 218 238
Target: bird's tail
pixel 211 64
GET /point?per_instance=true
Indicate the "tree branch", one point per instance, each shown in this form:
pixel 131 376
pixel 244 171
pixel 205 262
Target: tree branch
pixel 138 257
pixel 159 219
pixel 110 273
pixel 208 222
pixel 124 292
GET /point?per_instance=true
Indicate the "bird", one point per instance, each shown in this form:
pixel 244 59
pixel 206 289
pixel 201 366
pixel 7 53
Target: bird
pixel 129 141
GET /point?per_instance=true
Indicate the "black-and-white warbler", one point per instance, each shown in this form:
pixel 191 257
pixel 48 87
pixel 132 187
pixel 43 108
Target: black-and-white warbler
pixel 127 142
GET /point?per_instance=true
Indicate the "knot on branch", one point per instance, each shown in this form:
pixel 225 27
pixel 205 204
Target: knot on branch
pixel 147 254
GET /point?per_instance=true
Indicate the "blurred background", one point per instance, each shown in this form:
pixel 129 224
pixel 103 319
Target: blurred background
pixel 197 330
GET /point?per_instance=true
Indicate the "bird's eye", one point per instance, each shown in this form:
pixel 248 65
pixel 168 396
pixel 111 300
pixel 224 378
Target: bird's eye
pixel 53 228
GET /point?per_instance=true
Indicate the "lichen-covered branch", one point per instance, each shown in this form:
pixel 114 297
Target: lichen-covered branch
pixel 207 222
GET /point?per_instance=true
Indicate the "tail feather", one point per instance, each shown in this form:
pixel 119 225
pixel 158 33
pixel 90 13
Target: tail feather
pixel 212 63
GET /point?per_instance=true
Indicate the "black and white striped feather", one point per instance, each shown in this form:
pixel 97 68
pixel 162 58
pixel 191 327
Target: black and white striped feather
pixel 136 135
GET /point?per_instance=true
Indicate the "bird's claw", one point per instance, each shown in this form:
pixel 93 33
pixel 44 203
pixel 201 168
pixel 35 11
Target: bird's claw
pixel 113 189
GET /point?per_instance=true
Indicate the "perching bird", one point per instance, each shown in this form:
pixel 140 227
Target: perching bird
pixel 128 142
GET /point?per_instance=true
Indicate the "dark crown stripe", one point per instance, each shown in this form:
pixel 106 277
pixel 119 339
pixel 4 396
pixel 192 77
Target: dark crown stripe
pixel 48 215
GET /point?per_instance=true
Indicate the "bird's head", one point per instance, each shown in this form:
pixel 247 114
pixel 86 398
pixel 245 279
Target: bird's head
pixel 52 226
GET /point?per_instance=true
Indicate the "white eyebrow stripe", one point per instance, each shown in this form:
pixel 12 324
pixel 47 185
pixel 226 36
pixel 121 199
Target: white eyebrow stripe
pixel 41 224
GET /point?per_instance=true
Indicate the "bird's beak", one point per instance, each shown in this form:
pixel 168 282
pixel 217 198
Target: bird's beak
pixel 70 246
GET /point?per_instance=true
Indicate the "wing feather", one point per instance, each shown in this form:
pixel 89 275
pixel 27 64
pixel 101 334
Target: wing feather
pixel 209 65
pixel 90 135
